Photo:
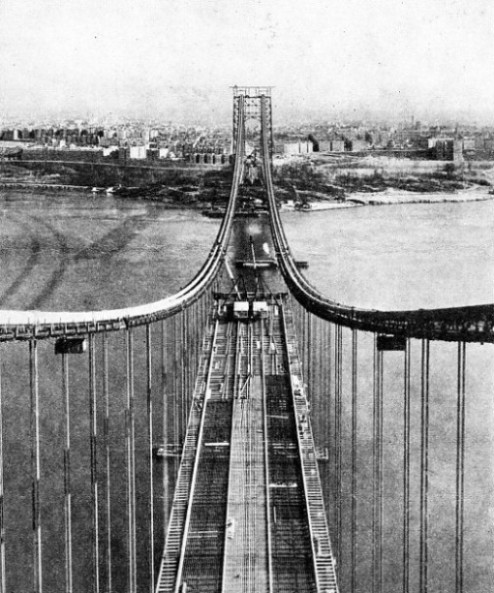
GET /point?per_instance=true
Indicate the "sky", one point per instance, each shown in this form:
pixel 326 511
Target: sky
pixel 176 59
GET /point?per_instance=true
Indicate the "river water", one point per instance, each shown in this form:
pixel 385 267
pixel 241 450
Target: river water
pixel 408 257
pixel 71 252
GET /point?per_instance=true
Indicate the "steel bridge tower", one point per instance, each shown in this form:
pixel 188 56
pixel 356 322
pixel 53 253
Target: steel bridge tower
pixel 252 98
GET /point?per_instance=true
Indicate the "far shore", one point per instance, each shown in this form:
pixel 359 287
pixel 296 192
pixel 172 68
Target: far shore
pixel 317 202
pixel 43 186
pixel 392 197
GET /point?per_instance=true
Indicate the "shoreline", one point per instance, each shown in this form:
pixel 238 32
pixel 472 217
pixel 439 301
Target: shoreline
pixel 19 185
pixel 388 197
pixel 393 197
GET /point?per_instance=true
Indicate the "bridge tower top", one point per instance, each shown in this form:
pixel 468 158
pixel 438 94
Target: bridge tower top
pixel 252 91
pixel 253 97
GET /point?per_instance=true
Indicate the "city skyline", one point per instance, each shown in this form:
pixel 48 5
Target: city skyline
pixel 177 60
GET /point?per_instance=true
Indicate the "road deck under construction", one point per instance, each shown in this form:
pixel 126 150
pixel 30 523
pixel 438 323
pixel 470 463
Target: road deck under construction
pixel 248 512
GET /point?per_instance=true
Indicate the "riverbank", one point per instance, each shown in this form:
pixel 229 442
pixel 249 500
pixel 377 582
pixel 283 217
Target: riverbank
pixel 175 198
pixel 43 187
pixel 390 197
pixel 397 196
pixel 170 196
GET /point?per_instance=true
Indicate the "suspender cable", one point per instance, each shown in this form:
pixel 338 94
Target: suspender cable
pixel 35 466
pixel 374 468
pixel 335 442
pixel 319 390
pixel 338 439
pixel 424 467
pixel 164 395
pixel 130 437
pixel 183 369
pixel 309 357
pixel 3 582
pixel 353 493
pixel 176 416
pixel 303 331
pixel 94 462
pixel 406 470
pixel 163 348
pixel 325 408
pixel 190 355
pixel 306 322
pixel 181 362
pixel 460 466
pixel 331 452
pixel 381 465
pixel 66 468
pixel 197 341
pixel 177 408
pixel 316 409
pixel 377 552
pixel 149 386
pixel 197 338
pixel 106 430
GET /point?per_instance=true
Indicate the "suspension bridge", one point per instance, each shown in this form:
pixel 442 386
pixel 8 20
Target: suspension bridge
pixel 211 441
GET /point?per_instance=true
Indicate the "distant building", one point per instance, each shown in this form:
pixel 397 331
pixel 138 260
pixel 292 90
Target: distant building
pixel 300 147
pixel 110 150
pixel 138 152
pixel 337 145
pixel 446 149
pixel 359 145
